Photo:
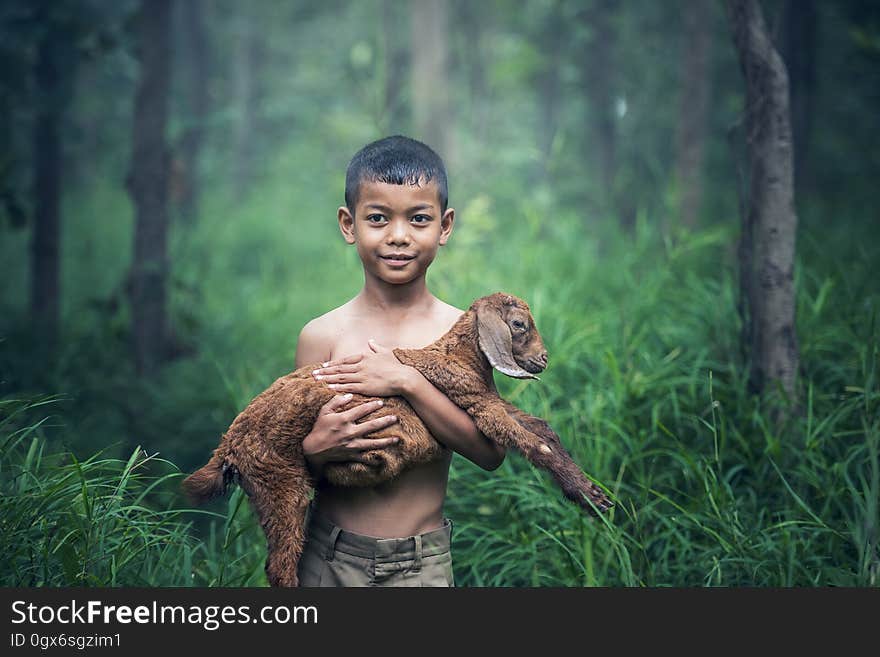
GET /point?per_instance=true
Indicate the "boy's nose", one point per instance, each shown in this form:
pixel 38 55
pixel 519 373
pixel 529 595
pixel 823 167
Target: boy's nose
pixel 399 233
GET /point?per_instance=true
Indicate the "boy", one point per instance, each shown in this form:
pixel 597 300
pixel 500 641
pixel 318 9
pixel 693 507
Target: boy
pixel 396 215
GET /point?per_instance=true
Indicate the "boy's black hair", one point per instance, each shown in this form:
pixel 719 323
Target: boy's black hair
pixel 396 160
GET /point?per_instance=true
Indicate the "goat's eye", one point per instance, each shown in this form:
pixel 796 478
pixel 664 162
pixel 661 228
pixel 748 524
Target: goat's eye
pixel 518 325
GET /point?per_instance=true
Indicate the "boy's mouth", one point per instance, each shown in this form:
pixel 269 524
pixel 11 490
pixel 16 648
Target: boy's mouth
pixel 397 258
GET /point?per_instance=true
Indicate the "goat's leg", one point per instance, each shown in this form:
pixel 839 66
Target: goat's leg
pixel 534 424
pixel 533 437
pixel 282 514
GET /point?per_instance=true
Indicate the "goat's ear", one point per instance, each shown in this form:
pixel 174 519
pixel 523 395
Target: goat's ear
pixel 497 344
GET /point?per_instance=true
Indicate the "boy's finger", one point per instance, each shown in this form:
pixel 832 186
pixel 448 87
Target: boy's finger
pixel 354 387
pixel 347 360
pixel 336 369
pixel 369 426
pixel 359 411
pixel 341 378
pixel 336 402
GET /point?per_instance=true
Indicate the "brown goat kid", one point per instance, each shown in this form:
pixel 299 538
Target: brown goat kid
pixel 262 450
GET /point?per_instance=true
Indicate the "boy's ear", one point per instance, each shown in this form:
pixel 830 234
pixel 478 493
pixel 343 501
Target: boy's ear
pixel 446 223
pixel 346 224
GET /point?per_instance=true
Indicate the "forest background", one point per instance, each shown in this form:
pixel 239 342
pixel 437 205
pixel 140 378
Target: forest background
pixel 597 160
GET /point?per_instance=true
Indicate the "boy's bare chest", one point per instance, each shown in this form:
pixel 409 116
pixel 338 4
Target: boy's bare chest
pixel 351 337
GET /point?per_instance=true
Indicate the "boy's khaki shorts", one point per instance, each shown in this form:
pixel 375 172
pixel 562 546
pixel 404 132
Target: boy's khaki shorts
pixel 335 557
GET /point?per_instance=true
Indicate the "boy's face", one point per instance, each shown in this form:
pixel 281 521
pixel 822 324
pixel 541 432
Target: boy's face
pixel 397 229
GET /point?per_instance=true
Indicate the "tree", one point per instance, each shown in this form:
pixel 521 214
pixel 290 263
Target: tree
pixel 148 186
pixel 767 245
pixel 548 83
pixel 396 56
pixel 192 17
pixel 476 22
pixel 598 67
pixel 429 86
pixel 690 139
pixel 799 52
pixel 56 28
pixel 45 266
pixel 250 57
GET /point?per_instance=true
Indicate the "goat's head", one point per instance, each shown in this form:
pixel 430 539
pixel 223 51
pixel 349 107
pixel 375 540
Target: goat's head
pixel 508 336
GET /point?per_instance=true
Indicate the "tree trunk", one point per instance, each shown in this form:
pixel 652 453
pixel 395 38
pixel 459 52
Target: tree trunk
pixel 193 23
pixel 429 87
pixel 692 118
pixel 396 56
pixel 475 20
pixel 598 73
pixel 12 204
pixel 798 50
pixel 549 85
pixel 148 186
pixel 250 56
pixel 767 249
pixel 45 247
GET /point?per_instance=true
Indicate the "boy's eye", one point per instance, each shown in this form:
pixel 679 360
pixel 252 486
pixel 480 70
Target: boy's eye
pixel 421 218
pixel 375 218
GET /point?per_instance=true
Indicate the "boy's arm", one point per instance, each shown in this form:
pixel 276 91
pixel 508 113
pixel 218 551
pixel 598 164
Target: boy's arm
pixel 381 374
pixel 449 424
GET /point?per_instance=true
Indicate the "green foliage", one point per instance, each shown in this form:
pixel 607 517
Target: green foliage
pixel 646 391
pixel 646 383
pixel 648 394
pixel 107 522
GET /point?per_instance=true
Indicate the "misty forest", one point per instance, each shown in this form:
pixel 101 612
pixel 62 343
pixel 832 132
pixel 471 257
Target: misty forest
pixel 683 191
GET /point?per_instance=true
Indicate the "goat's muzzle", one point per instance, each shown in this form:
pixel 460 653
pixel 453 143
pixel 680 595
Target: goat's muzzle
pixel 535 364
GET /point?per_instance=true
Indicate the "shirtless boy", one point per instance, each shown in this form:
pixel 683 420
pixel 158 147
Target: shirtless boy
pixel 396 215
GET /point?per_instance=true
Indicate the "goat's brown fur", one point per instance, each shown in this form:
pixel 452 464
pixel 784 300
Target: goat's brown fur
pixel 262 449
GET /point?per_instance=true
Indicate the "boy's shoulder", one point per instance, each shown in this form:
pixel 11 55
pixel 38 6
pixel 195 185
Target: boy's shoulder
pixel 318 336
pixel 448 313
pixel 330 319
pixel 436 322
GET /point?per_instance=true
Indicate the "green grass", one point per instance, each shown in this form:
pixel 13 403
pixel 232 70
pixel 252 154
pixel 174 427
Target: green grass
pixel 107 522
pixel 646 385
pixel 708 491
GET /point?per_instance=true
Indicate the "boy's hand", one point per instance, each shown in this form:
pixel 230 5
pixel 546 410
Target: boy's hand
pixel 377 373
pixel 338 436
